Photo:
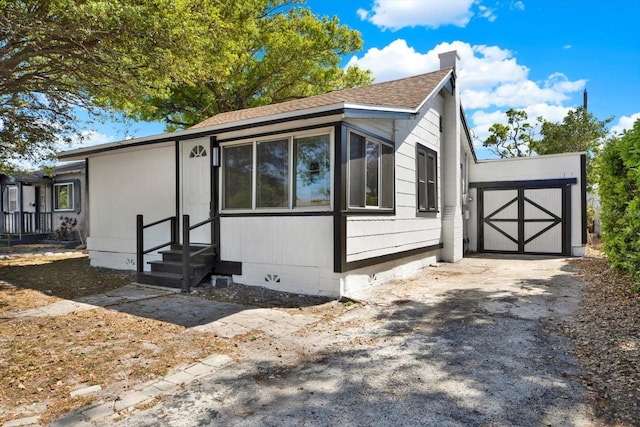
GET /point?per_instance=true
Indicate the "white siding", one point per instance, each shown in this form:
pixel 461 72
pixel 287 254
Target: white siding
pixel 372 236
pixel 123 185
pixel 296 250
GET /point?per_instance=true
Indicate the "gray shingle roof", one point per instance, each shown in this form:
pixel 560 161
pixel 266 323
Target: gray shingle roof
pixel 407 93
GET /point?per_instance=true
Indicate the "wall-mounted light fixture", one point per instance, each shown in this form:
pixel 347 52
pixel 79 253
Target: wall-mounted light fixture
pixel 215 156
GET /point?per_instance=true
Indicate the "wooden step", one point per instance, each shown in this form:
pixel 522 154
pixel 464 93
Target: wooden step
pixel 173 266
pixel 175 255
pixel 158 278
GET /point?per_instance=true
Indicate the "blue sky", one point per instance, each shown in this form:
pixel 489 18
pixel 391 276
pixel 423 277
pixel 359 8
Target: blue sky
pixel 532 55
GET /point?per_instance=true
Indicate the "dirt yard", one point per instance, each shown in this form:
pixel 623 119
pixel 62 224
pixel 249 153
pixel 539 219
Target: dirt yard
pixel 43 359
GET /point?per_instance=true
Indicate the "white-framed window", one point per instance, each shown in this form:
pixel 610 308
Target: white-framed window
pixel 371 173
pixel 289 171
pixel 63 196
pixel 427 174
pixel 12 199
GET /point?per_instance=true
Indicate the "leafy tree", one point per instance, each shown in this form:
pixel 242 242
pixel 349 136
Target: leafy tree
pixel 277 57
pixel 515 139
pixel 619 188
pixel 154 59
pixel 579 131
pixel 58 55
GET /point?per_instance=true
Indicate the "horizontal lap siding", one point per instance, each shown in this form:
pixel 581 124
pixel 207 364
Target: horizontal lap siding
pixel 124 185
pixel 369 237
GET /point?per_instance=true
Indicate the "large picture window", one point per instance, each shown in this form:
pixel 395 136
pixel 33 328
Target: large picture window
pixel 63 197
pixel 371 177
pixel 291 172
pixel 427 171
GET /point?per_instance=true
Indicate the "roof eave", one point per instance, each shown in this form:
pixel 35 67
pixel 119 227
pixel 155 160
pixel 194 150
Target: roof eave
pixel 345 109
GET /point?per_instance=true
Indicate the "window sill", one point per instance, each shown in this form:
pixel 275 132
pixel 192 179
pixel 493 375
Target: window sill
pixel 372 211
pixel 427 214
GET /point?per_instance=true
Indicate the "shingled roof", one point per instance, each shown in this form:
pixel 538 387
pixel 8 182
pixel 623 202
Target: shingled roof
pixel 408 93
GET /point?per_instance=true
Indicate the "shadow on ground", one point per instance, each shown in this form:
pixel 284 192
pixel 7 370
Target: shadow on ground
pixel 452 362
pixel 73 279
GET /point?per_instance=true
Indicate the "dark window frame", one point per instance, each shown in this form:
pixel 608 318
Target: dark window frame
pixel 426 180
pixel 358 168
pixel 293 140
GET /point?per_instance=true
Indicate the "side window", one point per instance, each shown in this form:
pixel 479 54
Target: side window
pixel 371 173
pixel 238 176
pixel 12 199
pixel 63 197
pixel 427 177
pixel 312 171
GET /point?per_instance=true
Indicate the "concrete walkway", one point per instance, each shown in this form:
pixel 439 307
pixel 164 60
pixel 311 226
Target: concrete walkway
pixel 217 318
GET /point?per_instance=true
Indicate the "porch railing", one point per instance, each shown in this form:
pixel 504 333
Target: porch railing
pixel 187 228
pixel 140 227
pixel 26 223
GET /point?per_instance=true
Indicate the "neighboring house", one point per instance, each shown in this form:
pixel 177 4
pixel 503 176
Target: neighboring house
pixel 325 194
pixel 34 206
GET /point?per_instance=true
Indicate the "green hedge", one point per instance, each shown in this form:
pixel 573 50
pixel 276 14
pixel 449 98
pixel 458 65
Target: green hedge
pixel 619 188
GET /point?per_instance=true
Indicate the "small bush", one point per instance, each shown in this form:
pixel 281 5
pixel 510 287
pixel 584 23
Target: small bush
pixel 65 231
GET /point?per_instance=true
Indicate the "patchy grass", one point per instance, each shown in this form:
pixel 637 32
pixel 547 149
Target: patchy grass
pixel 43 359
pixel 606 336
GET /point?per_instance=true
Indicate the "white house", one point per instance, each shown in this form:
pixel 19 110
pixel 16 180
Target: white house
pixel 325 194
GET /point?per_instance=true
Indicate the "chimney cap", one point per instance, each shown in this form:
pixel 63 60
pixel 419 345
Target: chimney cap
pixel 449 59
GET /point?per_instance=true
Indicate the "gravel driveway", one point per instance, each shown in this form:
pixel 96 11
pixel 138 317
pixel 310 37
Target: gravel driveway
pixel 465 344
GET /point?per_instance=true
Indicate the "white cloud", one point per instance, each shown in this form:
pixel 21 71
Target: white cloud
pixel 625 123
pixel 384 63
pixel 489 76
pixel 89 138
pixel 397 14
pixel 490 80
pixel 487 13
pixel 518 5
pixel 567 46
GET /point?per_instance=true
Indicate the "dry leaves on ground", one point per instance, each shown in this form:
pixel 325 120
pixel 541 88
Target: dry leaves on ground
pixel 42 359
pixel 606 336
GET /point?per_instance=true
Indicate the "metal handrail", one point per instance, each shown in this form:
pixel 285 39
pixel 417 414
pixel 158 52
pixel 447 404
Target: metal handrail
pixel 140 227
pixel 186 249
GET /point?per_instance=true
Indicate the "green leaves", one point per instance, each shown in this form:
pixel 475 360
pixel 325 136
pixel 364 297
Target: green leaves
pixel 180 61
pixel 516 139
pixel 276 53
pixel 619 189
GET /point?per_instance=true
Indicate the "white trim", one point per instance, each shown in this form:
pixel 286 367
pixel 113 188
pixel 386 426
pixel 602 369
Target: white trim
pixel 70 196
